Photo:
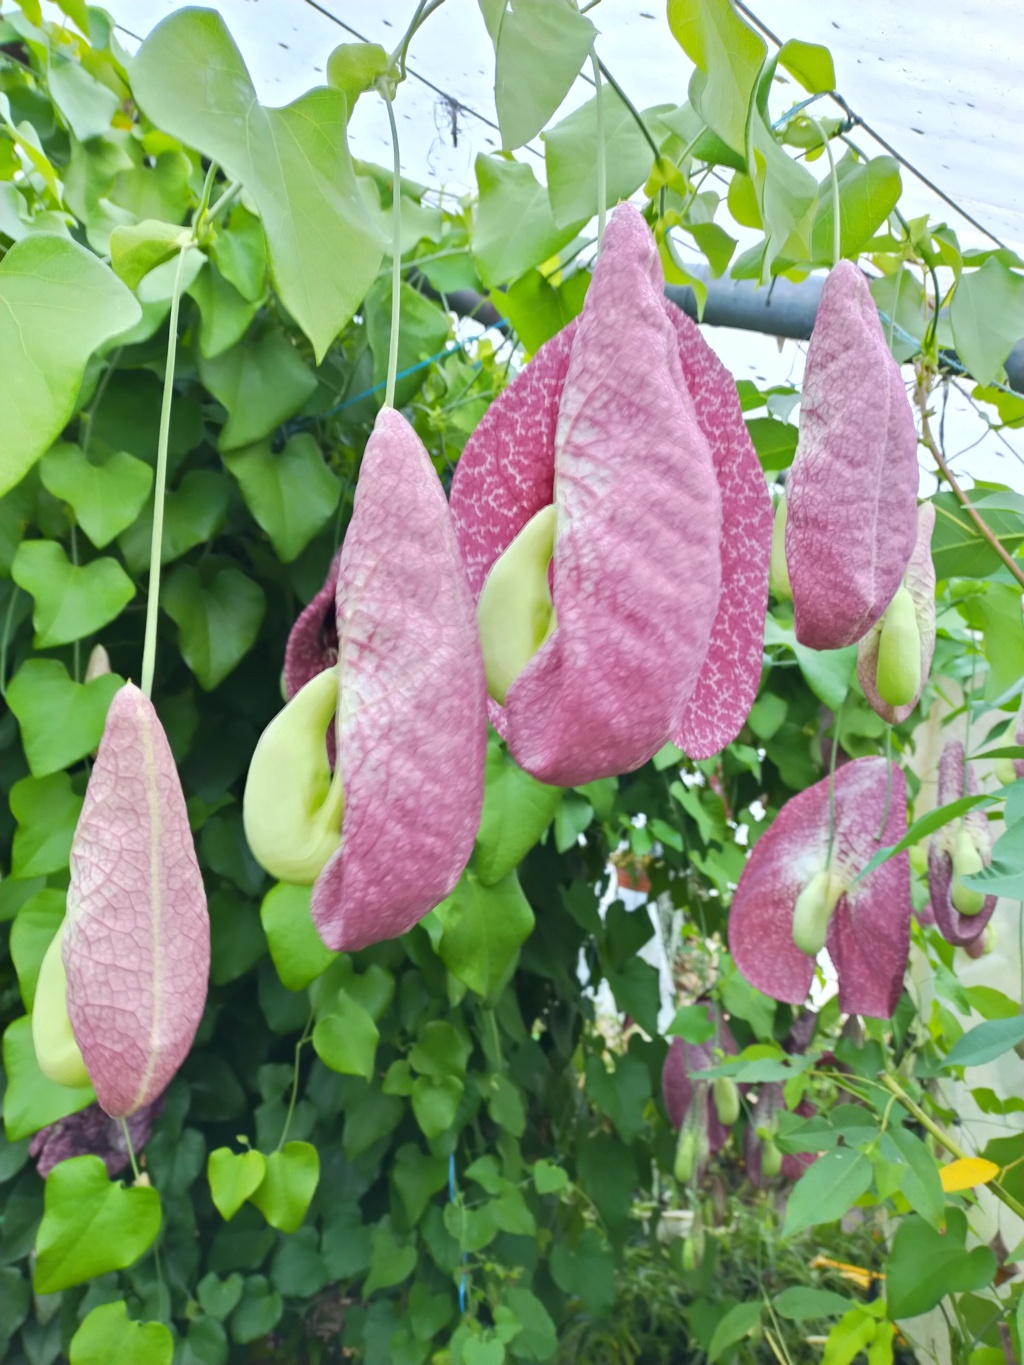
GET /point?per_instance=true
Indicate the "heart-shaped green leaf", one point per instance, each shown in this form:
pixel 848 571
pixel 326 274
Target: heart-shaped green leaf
pixel 434 1103
pixel 61 720
pixel 224 313
pixel 261 383
pixel 484 928
pixel 109 1337
pixel 219 1297
pixel 90 1225
pixel 33 929
pixel 292 495
pixel 137 248
pixel 193 513
pixel 925 1265
pixel 106 497
pixel 346 1040
pixel 296 948
pixel 390 1262
pixel 58 303
pixel 217 620
pixel 190 79
pixel 233 1177
pixel 47 810
pixel 517 810
pixel 31 1100
pixel 288 1186
pixel 71 601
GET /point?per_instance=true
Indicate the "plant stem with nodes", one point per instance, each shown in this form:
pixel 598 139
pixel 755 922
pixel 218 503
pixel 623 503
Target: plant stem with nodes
pixel 160 483
pixel 602 166
pixel 826 142
pixel 921 395
pixel 396 258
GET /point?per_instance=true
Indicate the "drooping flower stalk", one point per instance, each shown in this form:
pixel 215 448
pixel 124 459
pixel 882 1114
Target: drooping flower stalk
pixel 956 851
pixel 851 493
pixel 702 1115
pixel 797 894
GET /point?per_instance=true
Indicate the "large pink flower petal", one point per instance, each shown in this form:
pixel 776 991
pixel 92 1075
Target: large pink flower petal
pixel 136 944
pixel 852 490
pixel 869 934
pixel 920 583
pixel 313 639
pixel 636 565
pixel 728 682
pixel 954 927
pixel 411 723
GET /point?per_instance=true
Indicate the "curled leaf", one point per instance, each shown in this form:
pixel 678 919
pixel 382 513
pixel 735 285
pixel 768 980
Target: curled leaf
pixel 136 943
pixel 949 856
pixel 852 489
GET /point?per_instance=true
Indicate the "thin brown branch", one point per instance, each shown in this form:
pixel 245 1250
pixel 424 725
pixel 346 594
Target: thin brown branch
pixel 984 530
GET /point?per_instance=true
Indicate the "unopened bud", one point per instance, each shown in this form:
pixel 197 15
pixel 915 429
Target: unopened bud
pixel 1005 771
pixel 686 1156
pixel 726 1096
pixel 515 614
pixel 771 1159
pixel 898 677
pixel 778 569
pixel 98 665
pixel 967 861
pixel 813 911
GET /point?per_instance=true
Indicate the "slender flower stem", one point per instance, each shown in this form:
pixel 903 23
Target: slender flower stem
pixel 131 1151
pixel 602 165
pixel 303 1040
pixel 929 1124
pixel 835 189
pixel 921 398
pixel 160 484
pixel 5 638
pixel 225 201
pixel 396 259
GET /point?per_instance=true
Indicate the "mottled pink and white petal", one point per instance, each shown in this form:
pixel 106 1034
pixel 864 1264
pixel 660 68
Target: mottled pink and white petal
pixel 313 640
pixel 676 1086
pixel 920 582
pixel 506 472
pixel 869 932
pixel 852 489
pixel 136 944
pixel 636 564
pixel 952 925
pixel 729 679
pixel 411 722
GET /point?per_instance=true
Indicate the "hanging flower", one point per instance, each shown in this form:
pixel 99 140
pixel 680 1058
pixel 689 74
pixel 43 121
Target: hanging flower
pixel 93 1132
pixel 701 1111
pixel 616 528
pixel 762 1158
pixel 799 893
pixel 135 944
pixel 956 851
pixel 386 837
pixel 894 658
pixel 851 494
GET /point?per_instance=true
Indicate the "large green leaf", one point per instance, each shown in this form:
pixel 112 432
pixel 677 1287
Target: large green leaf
pixel 424 330
pixel 527 91
pixel 291 1178
pixel 571 156
pixel 1004 876
pixel 514 228
pixel 58 304
pixel 91 1225
pixel 109 1337
pixel 484 928
pixel 985 1042
pixel 193 514
pixel 260 383
pixel 106 495
pixel 868 192
pixel 517 810
pixel 292 494
pixel 728 55
pixel 71 600
pixel 218 619
pixel 190 79
pixel 32 932
pixel 958 548
pixel 47 810
pixel 31 1100
pixel 224 313
pixel 297 950
pixel 346 1039
pixel 924 1265
pixel 61 721
pixel 828 1189
pixel 987 316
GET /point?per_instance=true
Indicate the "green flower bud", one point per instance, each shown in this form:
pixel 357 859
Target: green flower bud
pixel 292 807
pixel 898 677
pixel 515 613
pixel 966 862
pixel 778 569
pixel 771 1159
pixel 57 1053
pixel 813 911
pixel 690 1257
pixel 686 1156
pixel 726 1096
pixel 1005 771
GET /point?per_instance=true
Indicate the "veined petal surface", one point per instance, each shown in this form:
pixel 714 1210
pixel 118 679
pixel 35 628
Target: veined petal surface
pixel 920 582
pixel 953 926
pixel 637 569
pixel 852 489
pixel 869 932
pixel 728 681
pixel 313 639
pixel 137 935
pixel 411 723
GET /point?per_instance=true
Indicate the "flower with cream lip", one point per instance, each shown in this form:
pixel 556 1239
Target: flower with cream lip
pixel 799 892
pixel 386 837
pixel 616 528
pixel 956 851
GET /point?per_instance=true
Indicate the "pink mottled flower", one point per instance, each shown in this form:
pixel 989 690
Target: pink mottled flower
pixel 793 883
pixel 136 945
pixel 411 721
pixel 91 1132
pixel 919 581
pixel 770 1100
pixel 313 640
pixel 629 425
pixel 852 490
pixel 946 854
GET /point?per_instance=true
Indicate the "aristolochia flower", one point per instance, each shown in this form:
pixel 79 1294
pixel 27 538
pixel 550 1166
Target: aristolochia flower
pixel 616 528
pixel 956 851
pixel 799 892
pixel 386 837
pixel 135 945
pixel 851 494
pixel 701 1110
